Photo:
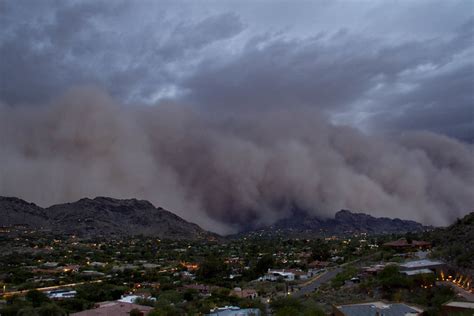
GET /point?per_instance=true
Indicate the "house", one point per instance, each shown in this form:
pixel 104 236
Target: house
pixel 276 275
pixel 234 311
pixel 50 264
pixel 201 288
pixel 150 266
pixel 376 309
pixel 417 272
pixel 70 268
pixel 376 268
pixel 124 267
pixel 457 308
pixel 92 273
pixel 318 264
pixel 115 309
pixel 61 294
pixel 244 293
pixel 435 266
pixel 299 274
pixel 403 244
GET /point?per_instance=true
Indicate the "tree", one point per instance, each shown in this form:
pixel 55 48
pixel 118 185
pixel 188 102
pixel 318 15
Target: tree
pixel 27 311
pixel 135 312
pixel 165 311
pixel 320 251
pixel 285 302
pixel 51 309
pixel 287 310
pixel 392 280
pixel 212 267
pixel 36 298
pixel 264 264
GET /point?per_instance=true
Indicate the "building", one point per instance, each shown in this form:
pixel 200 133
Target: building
pixel 435 266
pixel 457 308
pixel 375 269
pixel 234 311
pixel 403 244
pixel 376 309
pixel 134 298
pixel 417 272
pixel 244 293
pixel 318 264
pixel 299 274
pixel 200 288
pixel 276 275
pixel 114 309
pixel 61 294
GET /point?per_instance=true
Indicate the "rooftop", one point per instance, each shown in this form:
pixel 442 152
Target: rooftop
pixel 468 305
pixel 420 264
pixel 418 271
pixel 234 311
pixel 113 308
pixel 404 243
pixel 379 309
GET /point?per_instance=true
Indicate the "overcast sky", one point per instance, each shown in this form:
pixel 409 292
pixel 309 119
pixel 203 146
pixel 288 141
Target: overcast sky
pixel 307 103
pixel 388 65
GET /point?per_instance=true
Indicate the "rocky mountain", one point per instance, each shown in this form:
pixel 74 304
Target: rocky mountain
pixel 14 211
pixel 101 216
pixel 455 243
pixel 344 222
pixel 104 216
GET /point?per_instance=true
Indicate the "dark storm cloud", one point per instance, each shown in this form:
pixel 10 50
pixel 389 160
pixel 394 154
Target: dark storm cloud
pixel 230 118
pixel 335 72
pixel 439 97
pixel 54 45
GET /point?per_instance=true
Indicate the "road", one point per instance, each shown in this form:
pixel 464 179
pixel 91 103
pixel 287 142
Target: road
pixel 317 282
pixel 49 288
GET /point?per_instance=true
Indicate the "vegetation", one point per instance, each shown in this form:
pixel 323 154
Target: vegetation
pixel 292 306
pixel 456 243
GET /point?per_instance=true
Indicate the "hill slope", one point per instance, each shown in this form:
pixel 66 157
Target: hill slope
pixel 101 216
pixel 14 211
pixel 344 223
pixel 456 242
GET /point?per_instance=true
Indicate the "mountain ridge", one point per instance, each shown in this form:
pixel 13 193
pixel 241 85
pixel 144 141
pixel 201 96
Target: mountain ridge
pixel 345 222
pixel 105 216
pixel 99 217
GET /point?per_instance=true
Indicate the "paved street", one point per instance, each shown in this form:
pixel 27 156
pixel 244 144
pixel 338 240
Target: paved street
pixel 321 279
pixel 49 288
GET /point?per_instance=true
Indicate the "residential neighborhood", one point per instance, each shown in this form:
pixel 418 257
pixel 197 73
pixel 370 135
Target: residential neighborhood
pixel 247 276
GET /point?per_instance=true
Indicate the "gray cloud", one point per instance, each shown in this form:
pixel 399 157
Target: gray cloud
pixel 126 49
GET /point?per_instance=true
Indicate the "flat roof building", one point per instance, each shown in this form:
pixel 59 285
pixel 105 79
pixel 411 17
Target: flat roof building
pixel 114 309
pixel 422 264
pixel 455 308
pixel 234 311
pixel 376 309
pixel 416 272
